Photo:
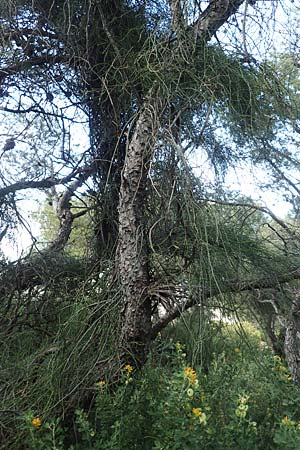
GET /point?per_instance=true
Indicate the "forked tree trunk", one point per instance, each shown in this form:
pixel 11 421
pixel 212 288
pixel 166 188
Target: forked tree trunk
pixel 133 252
pixel 133 255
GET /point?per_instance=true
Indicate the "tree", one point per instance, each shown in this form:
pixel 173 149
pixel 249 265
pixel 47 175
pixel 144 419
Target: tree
pixel 151 81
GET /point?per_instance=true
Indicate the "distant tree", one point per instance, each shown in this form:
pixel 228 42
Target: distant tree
pixel 81 236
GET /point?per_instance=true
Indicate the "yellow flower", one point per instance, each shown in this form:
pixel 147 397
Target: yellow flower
pixel 190 393
pixel 101 383
pixel 243 407
pixel 287 377
pixel 191 375
pixel 240 413
pixel 197 412
pixel 237 350
pixel 178 347
pixel 287 422
pixel 202 419
pixel 282 369
pixel 36 422
pixel 243 399
pixel 128 368
pixel 277 358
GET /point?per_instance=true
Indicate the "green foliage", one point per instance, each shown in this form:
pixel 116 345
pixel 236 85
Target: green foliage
pixel 52 357
pixel 58 334
pixel 204 244
pixel 41 435
pixel 170 405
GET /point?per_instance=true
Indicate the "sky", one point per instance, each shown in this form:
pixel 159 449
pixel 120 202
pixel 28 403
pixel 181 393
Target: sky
pixel 243 179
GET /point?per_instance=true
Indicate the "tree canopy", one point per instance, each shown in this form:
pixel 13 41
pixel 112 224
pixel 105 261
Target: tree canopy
pixel 103 102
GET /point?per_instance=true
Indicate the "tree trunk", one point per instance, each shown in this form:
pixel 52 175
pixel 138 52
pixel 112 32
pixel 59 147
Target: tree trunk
pixel 292 341
pixel 132 248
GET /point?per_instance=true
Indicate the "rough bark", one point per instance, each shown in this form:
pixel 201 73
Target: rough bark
pixel 132 254
pixel 292 341
pixel 136 330
pixel 177 22
pixel 215 15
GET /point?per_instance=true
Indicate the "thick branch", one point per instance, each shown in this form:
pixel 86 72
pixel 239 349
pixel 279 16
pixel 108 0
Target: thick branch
pixel 37 270
pixel 133 258
pixel 47 183
pixel 22 66
pixel 64 209
pixel 216 14
pixel 177 15
pixel 231 287
pixel 48 264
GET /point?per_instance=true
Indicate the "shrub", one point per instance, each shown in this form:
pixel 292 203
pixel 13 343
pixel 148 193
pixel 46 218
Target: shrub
pixel 245 400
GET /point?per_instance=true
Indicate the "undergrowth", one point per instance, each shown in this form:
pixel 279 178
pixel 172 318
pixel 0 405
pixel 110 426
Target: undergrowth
pixel 242 398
